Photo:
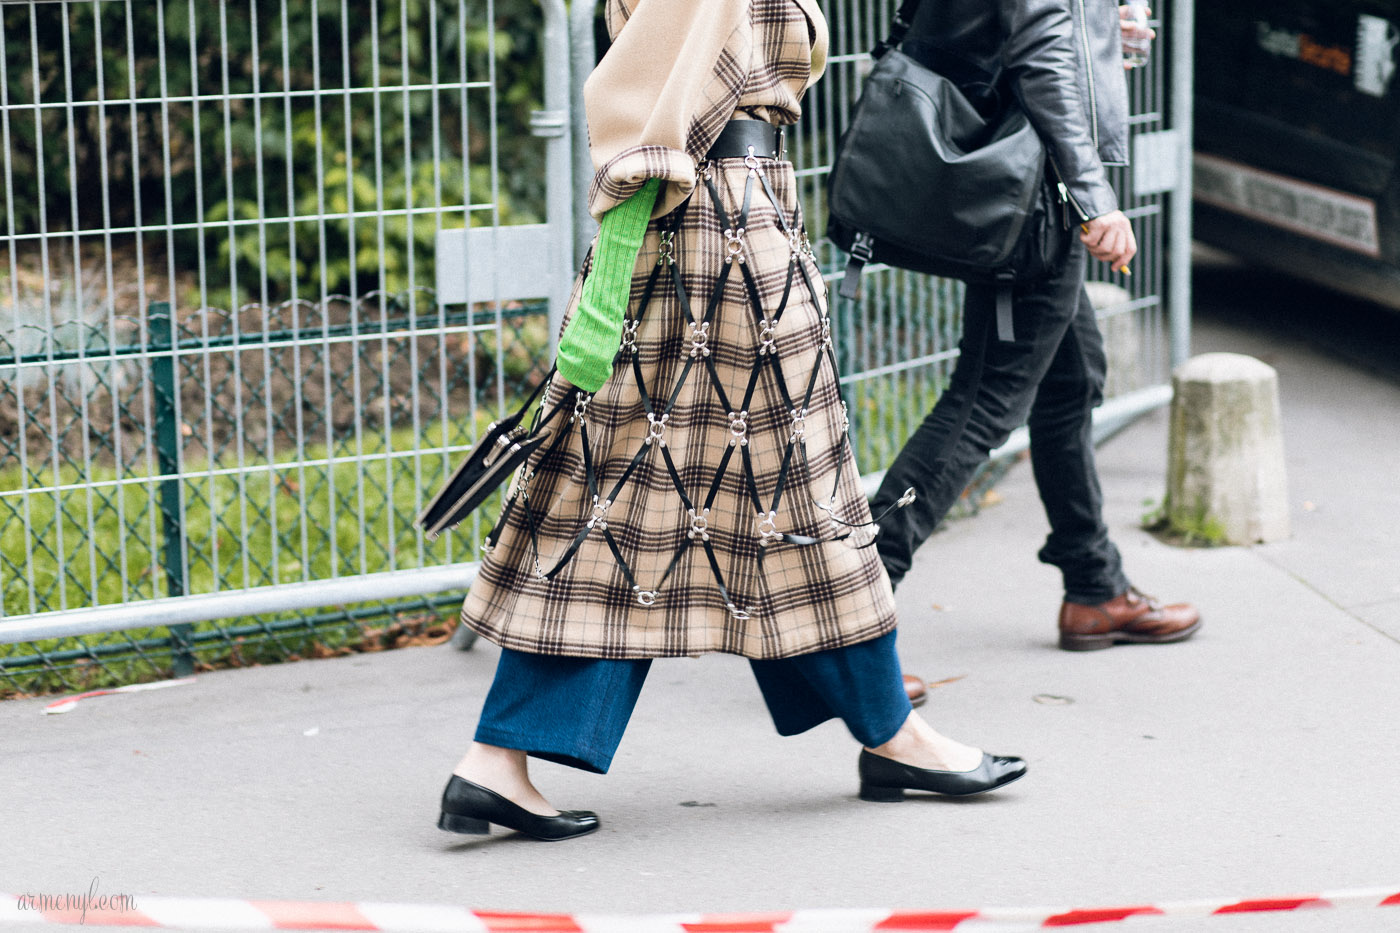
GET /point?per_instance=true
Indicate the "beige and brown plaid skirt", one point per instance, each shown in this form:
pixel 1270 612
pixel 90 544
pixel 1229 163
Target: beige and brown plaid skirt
pixel 706 498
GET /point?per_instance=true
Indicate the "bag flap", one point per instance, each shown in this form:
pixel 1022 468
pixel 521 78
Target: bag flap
pixel 920 167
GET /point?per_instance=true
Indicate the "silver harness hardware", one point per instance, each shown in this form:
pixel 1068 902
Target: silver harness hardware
pixel 738 429
pixel 699 337
pixel 734 244
pixel 656 429
pixel 580 407
pixel 768 529
pixel 699 525
pixel 600 514
pixel 799 425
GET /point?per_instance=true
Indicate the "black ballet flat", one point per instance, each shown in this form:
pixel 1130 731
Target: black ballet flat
pixel 471 809
pixel 885 780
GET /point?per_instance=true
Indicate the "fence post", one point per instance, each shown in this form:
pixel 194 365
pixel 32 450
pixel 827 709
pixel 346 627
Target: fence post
pixel 583 53
pixel 553 124
pixel 1183 93
pixel 165 397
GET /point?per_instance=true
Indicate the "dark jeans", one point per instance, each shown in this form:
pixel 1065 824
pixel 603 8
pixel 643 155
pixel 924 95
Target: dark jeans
pixel 574 710
pixel 1053 374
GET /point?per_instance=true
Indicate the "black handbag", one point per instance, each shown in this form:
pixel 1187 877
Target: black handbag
pixel 927 180
pixel 496 455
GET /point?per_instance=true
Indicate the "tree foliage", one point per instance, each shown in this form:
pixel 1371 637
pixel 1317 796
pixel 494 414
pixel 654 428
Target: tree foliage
pixel 202 120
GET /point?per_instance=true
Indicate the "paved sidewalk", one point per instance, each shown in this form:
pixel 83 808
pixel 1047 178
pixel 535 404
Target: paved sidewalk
pixel 1259 758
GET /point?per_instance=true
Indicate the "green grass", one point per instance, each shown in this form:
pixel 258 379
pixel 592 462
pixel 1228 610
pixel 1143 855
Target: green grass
pixel 277 524
pixel 286 523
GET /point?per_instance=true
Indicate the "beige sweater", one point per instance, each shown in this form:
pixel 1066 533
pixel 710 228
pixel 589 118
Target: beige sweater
pixel 680 70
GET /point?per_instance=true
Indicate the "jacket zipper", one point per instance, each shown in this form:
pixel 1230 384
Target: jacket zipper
pixel 1066 197
pixel 1089 70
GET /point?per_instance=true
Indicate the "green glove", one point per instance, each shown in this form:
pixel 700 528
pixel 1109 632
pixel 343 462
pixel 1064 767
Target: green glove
pixel 590 341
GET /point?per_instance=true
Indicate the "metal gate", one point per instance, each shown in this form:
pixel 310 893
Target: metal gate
pixel 253 301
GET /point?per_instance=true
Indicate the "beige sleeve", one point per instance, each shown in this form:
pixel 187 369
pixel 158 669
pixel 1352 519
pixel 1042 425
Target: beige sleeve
pixel 821 38
pixel 660 97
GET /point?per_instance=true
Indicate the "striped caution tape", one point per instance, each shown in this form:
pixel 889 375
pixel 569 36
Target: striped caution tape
pixel 221 914
pixel 67 704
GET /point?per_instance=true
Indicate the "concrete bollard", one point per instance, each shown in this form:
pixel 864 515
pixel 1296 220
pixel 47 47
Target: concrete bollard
pixel 1226 482
pixel 1122 339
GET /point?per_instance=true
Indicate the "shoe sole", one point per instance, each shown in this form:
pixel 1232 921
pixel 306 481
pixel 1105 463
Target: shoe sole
pixel 1070 642
pixel 475 826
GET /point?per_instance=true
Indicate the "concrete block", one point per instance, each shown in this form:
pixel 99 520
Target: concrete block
pixel 1122 339
pixel 1226 480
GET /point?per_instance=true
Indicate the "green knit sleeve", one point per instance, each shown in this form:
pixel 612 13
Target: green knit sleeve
pixel 590 341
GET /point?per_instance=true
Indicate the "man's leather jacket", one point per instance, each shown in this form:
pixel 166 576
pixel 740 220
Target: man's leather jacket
pixel 1062 58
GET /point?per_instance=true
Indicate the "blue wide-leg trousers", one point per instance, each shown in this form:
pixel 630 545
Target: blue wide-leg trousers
pixel 575 710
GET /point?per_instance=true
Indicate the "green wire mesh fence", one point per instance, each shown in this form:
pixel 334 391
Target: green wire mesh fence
pixel 301 163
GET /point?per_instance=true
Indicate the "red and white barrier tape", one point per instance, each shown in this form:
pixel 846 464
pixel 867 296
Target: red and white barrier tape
pixel 219 914
pixel 67 704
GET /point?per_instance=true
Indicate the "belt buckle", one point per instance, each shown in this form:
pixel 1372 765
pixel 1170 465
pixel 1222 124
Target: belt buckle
pixel 782 144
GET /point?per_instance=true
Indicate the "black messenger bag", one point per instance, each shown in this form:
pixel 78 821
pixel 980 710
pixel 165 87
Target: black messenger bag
pixel 923 180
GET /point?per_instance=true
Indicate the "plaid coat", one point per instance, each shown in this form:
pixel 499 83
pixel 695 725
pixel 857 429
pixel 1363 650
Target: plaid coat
pixel 706 498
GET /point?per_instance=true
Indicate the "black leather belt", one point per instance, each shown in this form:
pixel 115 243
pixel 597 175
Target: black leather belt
pixel 738 135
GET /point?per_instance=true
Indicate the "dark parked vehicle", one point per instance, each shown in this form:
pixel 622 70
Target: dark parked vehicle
pixel 1297 161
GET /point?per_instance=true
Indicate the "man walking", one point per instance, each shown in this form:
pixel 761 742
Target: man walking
pixel 1063 61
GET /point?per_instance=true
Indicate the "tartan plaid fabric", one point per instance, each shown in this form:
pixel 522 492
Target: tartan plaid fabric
pixel 726 359
pixel 773 50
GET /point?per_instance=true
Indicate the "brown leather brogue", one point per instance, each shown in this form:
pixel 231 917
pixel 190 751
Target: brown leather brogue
pixel 915 690
pixel 1131 618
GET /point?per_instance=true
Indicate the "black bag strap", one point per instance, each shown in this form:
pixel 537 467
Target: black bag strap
pixel 903 19
pixel 1005 328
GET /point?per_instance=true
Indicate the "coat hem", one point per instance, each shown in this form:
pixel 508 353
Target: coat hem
pixel 503 639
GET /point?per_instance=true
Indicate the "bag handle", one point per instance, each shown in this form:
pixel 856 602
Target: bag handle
pixel 903 19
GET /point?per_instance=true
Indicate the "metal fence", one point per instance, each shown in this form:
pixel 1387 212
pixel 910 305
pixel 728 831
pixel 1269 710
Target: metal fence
pixel 901 339
pixel 251 308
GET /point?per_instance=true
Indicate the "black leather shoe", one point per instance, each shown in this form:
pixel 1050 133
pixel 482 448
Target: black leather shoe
pixel 471 808
pixel 886 780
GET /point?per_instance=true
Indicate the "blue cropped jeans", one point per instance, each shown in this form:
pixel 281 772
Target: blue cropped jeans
pixel 574 710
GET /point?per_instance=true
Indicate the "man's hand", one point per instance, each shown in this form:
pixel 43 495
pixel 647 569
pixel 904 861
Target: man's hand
pixel 1131 31
pixel 1110 238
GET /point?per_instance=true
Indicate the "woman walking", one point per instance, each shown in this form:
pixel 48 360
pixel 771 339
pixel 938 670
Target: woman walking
pixel 703 495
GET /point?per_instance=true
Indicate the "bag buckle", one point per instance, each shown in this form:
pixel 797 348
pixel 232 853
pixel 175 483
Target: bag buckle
pixel 862 248
pixel 862 251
